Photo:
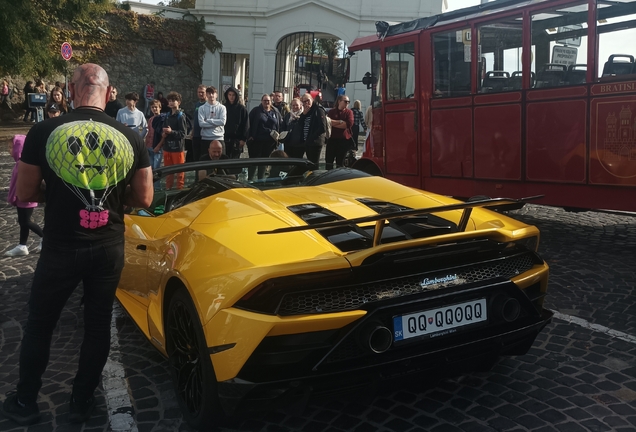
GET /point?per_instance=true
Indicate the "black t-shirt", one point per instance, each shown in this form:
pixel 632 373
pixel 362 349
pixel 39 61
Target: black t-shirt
pixel 112 107
pixel 206 157
pixel 87 159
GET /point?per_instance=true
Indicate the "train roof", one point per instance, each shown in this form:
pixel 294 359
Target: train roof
pixel 438 20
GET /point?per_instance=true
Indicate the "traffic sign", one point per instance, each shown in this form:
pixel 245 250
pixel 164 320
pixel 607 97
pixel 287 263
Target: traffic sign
pixel 67 51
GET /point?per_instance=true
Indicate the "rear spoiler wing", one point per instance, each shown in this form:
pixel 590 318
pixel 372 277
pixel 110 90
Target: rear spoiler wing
pixel 380 219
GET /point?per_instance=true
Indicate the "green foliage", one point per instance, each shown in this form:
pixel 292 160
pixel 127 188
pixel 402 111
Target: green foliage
pixel 187 39
pixel 184 4
pixel 330 47
pixel 27 32
pixel 32 32
pixel 309 47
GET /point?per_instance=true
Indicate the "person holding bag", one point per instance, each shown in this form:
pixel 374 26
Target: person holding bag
pixel 341 137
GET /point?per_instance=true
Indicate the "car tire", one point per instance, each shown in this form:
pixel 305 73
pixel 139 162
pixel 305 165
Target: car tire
pixel 190 365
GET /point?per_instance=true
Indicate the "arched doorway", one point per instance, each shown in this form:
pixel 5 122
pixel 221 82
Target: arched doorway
pixel 302 63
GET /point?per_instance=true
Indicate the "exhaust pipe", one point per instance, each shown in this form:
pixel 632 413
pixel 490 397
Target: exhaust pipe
pixel 507 308
pixel 378 338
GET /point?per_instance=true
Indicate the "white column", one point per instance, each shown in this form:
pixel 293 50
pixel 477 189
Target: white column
pixel 239 73
pixel 243 69
pixel 211 68
pixel 288 82
pixel 243 64
pixel 237 70
pixel 257 71
pixel 269 66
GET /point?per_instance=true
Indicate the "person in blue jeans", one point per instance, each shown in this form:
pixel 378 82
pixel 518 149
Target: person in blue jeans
pixel 83 235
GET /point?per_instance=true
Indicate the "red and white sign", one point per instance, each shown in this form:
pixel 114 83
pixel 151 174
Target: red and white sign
pixel 67 51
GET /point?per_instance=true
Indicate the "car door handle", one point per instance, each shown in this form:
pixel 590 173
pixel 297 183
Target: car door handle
pixel 141 247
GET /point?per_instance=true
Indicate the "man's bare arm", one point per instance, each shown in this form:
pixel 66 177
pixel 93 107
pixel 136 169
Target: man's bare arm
pixel 29 185
pixel 140 191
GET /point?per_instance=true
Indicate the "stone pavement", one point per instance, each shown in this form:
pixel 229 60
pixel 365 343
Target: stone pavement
pixel 575 378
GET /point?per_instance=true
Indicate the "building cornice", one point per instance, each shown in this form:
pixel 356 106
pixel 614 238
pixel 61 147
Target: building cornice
pixel 237 12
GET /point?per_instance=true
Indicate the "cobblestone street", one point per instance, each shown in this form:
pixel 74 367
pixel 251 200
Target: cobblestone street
pixel 580 375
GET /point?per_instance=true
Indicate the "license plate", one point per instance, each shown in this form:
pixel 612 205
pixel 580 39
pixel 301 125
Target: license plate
pixel 439 322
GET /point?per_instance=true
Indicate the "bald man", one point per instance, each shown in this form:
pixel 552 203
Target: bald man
pixel 215 152
pixel 92 166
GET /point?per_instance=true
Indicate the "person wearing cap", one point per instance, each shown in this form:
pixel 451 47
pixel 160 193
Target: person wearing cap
pixel 53 110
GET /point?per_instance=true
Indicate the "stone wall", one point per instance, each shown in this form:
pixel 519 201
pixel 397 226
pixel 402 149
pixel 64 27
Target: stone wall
pixel 131 71
pixel 128 71
pixel 126 53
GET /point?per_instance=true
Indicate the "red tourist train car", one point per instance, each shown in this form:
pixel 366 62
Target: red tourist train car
pixel 510 98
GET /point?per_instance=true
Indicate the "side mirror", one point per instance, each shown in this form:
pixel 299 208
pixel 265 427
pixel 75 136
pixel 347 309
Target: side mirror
pixel 369 80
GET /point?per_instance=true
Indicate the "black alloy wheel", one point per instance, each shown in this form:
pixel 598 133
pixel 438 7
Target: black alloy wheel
pixel 190 365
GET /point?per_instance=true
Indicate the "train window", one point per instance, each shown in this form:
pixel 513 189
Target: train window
pixel 559 46
pixel 400 71
pixel 452 63
pixel 376 71
pixel 501 44
pixel 616 36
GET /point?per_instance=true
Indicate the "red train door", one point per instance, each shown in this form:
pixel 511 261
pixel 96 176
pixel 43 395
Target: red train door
pixel 401 113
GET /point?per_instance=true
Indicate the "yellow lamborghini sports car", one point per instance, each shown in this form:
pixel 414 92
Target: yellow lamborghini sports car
pixel 263 280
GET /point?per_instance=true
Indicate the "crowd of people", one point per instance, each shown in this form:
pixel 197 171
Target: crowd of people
pixel 57 99
pixel 176 136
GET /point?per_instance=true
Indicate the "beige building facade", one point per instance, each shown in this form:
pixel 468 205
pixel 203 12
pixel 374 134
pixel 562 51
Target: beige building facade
pixel 251 32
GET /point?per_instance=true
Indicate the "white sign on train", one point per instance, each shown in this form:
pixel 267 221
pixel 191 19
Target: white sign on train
pixel 564 55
